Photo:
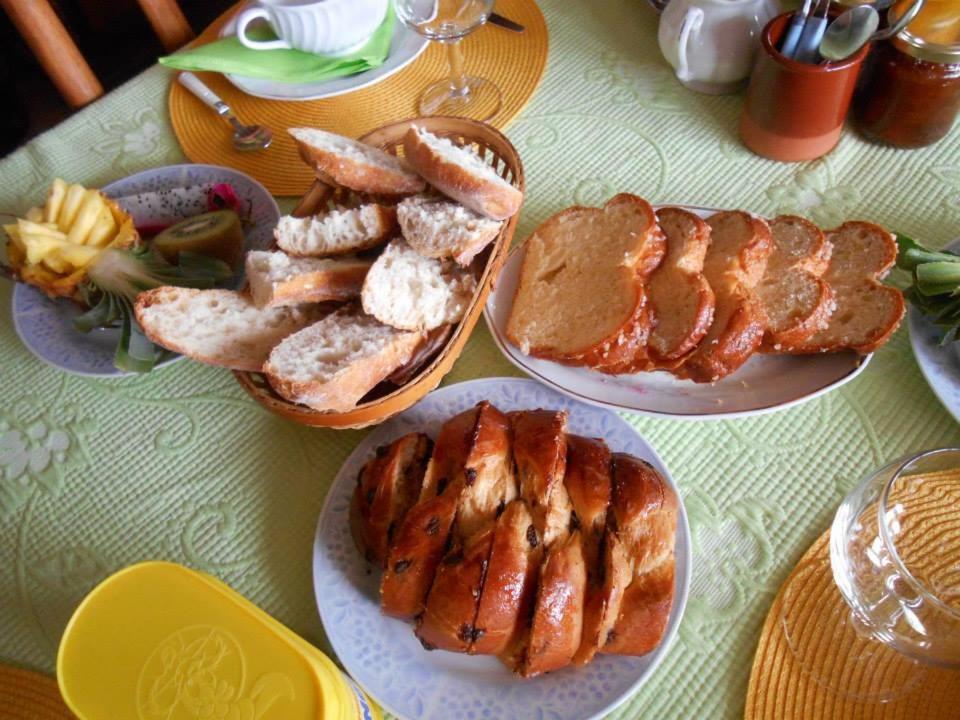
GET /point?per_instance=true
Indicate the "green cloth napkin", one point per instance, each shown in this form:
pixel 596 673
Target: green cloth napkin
pixel 228 55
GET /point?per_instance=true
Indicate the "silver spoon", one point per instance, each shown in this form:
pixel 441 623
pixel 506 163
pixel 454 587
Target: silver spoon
pixel 856 27
pixel 245 137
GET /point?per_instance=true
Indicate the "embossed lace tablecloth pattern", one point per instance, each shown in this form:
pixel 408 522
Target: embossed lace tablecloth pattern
pixel 181 465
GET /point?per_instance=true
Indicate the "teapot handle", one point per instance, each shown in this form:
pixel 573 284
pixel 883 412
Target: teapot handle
pixel 692 21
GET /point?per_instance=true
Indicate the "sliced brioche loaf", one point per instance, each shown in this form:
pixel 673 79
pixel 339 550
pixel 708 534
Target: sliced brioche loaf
pixel 736 259
pixel 342 161
pixel 335 362
pixel 406 290
pixel 338 232
pixel 438 228
pixel 461 174
pixel 796 300
pixel 277 279
pixel 218 327
pixel 867 312
pixel 581 281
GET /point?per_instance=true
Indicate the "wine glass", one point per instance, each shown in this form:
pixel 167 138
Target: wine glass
pixel 448 22
pixel 893 608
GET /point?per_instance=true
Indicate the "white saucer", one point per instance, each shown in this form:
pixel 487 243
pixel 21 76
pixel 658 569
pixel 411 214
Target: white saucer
pixel 405 46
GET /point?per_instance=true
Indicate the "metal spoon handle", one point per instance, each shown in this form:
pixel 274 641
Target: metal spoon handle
pixel 900 24
pixel 196 86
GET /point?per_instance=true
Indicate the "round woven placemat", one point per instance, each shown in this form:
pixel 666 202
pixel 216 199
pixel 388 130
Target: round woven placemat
pixel 782 687
pixel 26 695
pixel 513 61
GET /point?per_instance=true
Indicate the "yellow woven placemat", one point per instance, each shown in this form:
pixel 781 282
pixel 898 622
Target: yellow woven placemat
pixel 513 61
pixel 26 695
pixel 784 688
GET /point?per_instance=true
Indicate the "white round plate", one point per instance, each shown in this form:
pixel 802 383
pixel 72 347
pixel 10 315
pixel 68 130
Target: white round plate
pixel 45 326
pixel 764 384
pixel 383 655
pixel 939 365
pixel 405 46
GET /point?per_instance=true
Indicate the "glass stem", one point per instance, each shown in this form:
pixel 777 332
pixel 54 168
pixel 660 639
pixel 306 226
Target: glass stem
pixel 458 79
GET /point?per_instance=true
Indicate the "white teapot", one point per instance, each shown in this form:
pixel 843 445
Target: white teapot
pixel 712 43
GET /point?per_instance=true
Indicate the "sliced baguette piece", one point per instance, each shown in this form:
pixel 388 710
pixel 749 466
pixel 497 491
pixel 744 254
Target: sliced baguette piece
pixel 219 327
pixel 867 312
pixel 735 262
pixel 387 487
pixel 573 306
pixel 340 160
pixel 332 364
pixel 644 510
pixel 338 232
pixel 796 300
pixel 461 174
pixel 406 290
pixel 438 228
pixel 277 279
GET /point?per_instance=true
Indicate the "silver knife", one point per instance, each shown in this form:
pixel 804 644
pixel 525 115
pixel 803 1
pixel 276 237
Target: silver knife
pixel 498 19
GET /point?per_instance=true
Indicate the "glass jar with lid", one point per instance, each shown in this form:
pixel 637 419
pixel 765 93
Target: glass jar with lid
pixel 910 93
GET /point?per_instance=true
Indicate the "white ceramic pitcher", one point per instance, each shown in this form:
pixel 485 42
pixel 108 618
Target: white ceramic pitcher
pixel 712 43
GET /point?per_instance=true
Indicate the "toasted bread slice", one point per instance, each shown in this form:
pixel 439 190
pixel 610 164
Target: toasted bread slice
pixel 219 327
pixel 735 262
pixel 796 300
pixel 461 174
pixel 277 279
pixel 332 364
pixel 339 160
pixel 867 312
pixel 509 589
pixel 645 520
pixel 438 228
pixel 338 232
pixel 572 305
pixel 406 290
pixel 387 487
pixel 540 454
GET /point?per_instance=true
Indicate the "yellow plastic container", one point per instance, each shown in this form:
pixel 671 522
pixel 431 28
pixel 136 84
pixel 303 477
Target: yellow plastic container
pixel 158 641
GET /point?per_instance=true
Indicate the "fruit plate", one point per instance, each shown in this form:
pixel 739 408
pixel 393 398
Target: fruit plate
pixel 764 384
pixel 45 326
pixel 940 365
pixel 383 655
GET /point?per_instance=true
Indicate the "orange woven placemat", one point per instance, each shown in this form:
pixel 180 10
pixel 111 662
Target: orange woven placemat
pixel 783 688
pixel 514 61
pixel 26 695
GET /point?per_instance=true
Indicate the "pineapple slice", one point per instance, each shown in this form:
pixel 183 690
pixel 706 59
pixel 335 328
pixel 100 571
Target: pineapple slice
pixel 70 207
pixel 58 191
pixel 104 229
pixel 86 217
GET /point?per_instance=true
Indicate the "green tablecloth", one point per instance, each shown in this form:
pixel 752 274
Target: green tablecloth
pixel 181 465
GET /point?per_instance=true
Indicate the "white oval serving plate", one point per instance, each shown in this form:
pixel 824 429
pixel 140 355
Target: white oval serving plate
pixel 383 655
pixel 45 326
pixel 764 384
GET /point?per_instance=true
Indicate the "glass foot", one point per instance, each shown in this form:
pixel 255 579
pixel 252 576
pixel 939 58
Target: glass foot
pixel 477 99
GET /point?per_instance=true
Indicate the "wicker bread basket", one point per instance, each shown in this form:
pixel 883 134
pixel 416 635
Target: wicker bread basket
pixel 386 400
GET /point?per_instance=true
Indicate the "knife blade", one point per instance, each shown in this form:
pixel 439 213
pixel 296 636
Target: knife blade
pixel 507 23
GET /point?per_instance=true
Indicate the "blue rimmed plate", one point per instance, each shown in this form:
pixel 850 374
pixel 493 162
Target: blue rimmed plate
pixel 45 326
pixel 383 655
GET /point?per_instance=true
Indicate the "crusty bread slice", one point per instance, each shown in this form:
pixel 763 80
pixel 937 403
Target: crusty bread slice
pixel 332 364
pixel 406 290
pixel 867 312
pixel 736 260
pixel 387 487
pixel 461 174
pixel 573 305
pixel 796 300
pixel 277 279
pixel 338 232
pixel 339 160
pixel 438 228
pixel 219 327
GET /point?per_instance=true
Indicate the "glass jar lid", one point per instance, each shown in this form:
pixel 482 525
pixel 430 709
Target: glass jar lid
pixel 934 35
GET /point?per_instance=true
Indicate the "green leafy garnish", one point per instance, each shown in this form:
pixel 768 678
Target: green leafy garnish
pixel 117 276
pixel 935 291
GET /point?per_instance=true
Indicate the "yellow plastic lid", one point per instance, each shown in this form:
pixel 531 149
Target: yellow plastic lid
pixel 158 641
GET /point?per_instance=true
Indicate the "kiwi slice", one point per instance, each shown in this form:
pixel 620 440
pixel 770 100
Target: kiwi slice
pixel 215 234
